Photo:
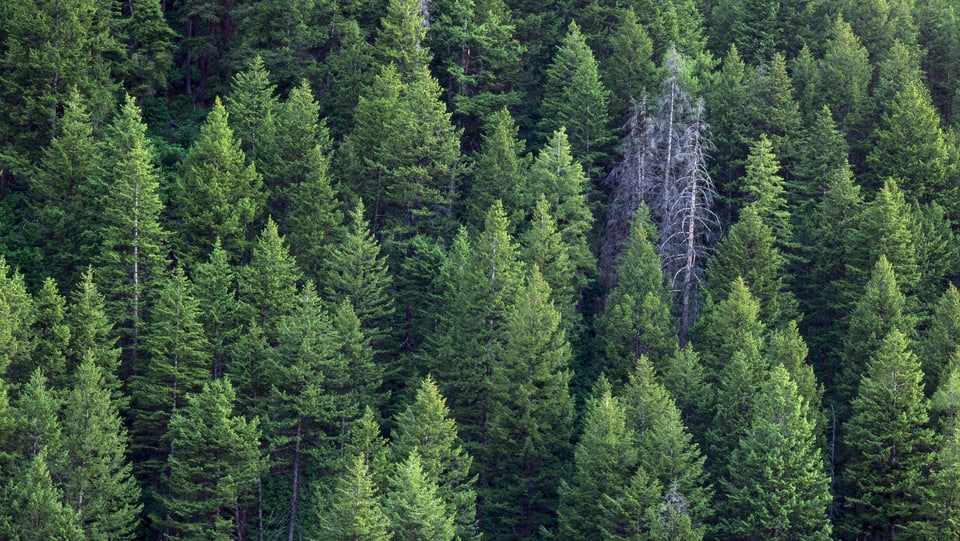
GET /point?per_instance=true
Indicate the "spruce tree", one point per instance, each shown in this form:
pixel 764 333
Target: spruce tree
pixel 939 342
pixel 555 175
pixel 355 271
pixel 845 72
pixel 763 188
pixel 219 194
pixel 942 509
pixel 52 335
pixel 542 245
pixel 131 240
pixel 500 172
pixel 636 319
pixel 604 459
pixel 214 471
pixel 215 287
pixel 252 106
pixel 528 432
pixel 97 480
pixel 33 507
pixel 354 511
pixel 575 98
pixel 889 441
pixel 150 50
pixel 776 485
pixel 413 505
pixel 177 363
pixel 748 251
pixel 16 317
pixel 628 68
pixel 91 334
pixel 426 427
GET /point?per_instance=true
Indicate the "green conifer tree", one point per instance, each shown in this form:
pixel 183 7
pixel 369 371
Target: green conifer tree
pixel 413 505
pixel 214 471
pixel 890 443
pixel 354 511
pixel 500 172
pixel 542 245
pixel 252 106
pixel 528 431
pixel 938 344
pixel 52 335
pixel 215 287
pixel 574 98
pixel 33 508
pixel 636 319
pixel 219 194
pixel 776 485
pixel 846 72
pixel 91 334
pixel 148 40
pixel 97 480
pixel 426 427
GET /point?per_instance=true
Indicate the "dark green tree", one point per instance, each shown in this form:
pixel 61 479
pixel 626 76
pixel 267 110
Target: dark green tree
pixel 939 343
pixel 557 176
pixel 542 245
pixel 16 317
pixel 33 508
pixel 400 38
pixel 215 468
pixel 148 40
pixel 426 427
pixel 628 68
pixel 604 460
pixel 528 431
pixel 219 194
pixel 636 319
pixel 52 335
pixel 845 73
pixel 776 485
pixel 215 287
pixel 252 105
pixel 574 98
pixel 500 172
pixel 353 512
pixel 890 443
pixel 91 334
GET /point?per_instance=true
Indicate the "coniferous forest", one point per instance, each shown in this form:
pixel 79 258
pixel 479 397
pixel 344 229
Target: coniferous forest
pixel 479 269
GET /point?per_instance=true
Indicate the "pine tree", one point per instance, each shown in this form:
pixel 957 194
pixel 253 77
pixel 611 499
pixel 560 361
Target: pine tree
pixel 889 441
pixel 33 508
pixel 880 310
pixel 97 480
pixel 350 67
pixel 215 287
pixel 413 506
pixel 748 251
pixel 215 469
pixel 354 511
pixel 604 459
pixel 846 72
pixel 403 154
pixel 788 349
pixel 575 98
pixel 132 252
pixel 400 37
pixel 426 427
pixel 636 319
pixel 500 172
pixel 52 335
pixel 355 271
pixel 177 363
pixel 542 245
pixel 555 175
pixel 91 334
pixel 730 325
pixel 66 165
pixel 763 188
pixel 628 68
pixel 776 485
pixel 268 284
pixel 666 450
pixel 942 509
pixel 772 108
pixel 252 106
pixel 16 317
pixel 150 50
pixel 940 341
pixel 910 147
pixel 728 102
pixel 50 49
pixel 821 150
pixel 219 194
pixel 531 410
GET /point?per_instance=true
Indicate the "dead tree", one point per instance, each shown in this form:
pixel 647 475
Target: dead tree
pixel 688 227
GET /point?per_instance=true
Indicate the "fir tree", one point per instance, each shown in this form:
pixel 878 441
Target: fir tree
pixel 846 72
pixel 33 508
pixel 252 107
pixel 97 480
pixel 575 98
pixel 150 50
pixel 16 317
pixel 636 319
pixel 52 335
pixel 889 441
pixel 91 334
pixel 500 172
pixel 939 343
pixel 215 469
pixel 219 194
pixel 215 287
pixel 413 506
pixel 354 511
pixel 426 427
pixel 542 245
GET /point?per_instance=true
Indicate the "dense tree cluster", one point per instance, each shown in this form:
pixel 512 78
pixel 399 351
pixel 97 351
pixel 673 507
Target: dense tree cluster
pixel 501 269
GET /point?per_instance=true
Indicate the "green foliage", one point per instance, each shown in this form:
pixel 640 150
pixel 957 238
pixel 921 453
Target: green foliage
pixel 150 49
pixel 636 319
pixel 543 246
pixel 574 98
pixel 215 468
pixel 91 333
pixel 628 69
pixel 889 441
pixel 845 73
pixel 219 195
pixel 16 317
pixel 532 411
pixel 500 172
pixel 97 478
pixel 354 512
pixel 776 485
pixel 413 506
pixel 252 106
pixel 425 427
pixel 32 506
